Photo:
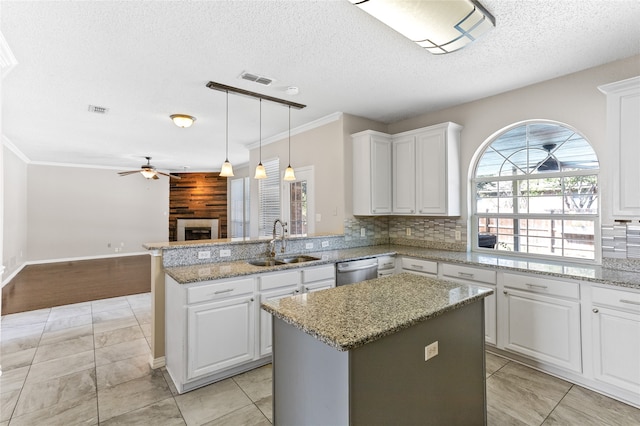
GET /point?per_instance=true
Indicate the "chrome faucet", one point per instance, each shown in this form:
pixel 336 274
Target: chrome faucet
pixel 283 244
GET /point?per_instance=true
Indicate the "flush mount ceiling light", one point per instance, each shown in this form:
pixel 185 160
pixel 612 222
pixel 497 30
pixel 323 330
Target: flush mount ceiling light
pixel 182 120
pixel 438 26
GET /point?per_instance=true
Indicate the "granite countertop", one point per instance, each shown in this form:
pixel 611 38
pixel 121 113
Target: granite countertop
pixel 350 316
pixel 584 272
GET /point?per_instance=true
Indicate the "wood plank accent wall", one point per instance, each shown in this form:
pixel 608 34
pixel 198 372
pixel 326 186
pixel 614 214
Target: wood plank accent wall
pixel 198 196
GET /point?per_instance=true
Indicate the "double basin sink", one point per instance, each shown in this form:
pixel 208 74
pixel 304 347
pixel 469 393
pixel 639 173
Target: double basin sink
pixel 282 261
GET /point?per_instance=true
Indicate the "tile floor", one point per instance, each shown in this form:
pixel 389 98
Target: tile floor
pixel 88 364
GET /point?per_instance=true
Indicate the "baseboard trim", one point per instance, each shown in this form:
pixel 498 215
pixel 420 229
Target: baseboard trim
pixel 157 362
pixel 13 274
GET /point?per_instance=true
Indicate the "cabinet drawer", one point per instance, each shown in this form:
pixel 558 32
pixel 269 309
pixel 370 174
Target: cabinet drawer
pixel 420 265
pixel 386 262
pixel 219 290
pixel 318 274
pixel 616 298
pixel 469 273
pixel 279 279
pixel 542 285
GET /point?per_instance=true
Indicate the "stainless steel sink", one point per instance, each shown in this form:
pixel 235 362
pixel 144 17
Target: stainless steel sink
pixel 283 261
pixel 264 262
pixel 298 259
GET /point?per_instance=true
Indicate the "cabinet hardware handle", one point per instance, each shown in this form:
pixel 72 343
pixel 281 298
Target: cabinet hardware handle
pixel 631 302
pixel 227 290
pixel 504 292
pixel 251 300
pixel 595 310
pixel 417 266
pixel 536 285
pixel 465 274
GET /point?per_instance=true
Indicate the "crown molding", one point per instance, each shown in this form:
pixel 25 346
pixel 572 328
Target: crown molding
pixel 7 59
pixel 11 147
pixel 300 129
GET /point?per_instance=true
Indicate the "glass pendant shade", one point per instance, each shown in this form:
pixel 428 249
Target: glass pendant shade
pixel 289 174
pixel 261 173
pixel 227 169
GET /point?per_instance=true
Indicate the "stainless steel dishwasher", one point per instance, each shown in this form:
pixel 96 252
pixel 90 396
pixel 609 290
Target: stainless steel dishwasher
pixel 356 271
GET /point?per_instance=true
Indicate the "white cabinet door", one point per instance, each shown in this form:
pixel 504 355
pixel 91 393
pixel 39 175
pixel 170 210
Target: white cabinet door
pixel 438 170
pixel 615 322
pixel 371 173
pixel 623 134
pixel 266 340
pixel 616 344
pixel 220 335
pixel 541 327
pixel 404 175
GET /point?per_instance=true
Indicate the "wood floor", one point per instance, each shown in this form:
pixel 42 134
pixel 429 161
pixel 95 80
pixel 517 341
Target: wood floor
pixel 64 283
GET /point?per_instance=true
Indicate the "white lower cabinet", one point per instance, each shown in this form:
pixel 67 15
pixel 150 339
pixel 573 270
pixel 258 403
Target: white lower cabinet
pixel 540 319
pixel 220 335
pixel 480 277
pixel 419 266
pixel 308 280
pixel 615 326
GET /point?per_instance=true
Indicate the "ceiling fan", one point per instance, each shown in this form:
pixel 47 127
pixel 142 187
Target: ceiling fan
pixel 148 171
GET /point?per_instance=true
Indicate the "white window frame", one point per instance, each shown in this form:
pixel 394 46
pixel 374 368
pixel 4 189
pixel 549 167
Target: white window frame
pixel 475 215
pixel 302 173
pixel 272 181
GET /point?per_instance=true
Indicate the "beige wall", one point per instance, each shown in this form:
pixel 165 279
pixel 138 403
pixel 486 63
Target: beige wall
pixel 14 238
pixel 573 99
pixel 77 212
pixel 320 147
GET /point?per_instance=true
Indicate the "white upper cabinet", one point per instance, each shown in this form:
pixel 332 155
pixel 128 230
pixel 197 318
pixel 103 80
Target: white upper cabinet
pixel 438 170
pixel 424 179
pixel 623 136
pixel 371 173
pixel 404 175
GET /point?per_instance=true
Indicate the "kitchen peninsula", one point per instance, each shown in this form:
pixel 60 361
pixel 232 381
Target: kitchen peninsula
pixel 358 354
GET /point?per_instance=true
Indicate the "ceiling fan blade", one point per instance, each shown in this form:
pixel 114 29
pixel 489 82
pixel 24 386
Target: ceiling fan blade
pixel 128 173
pixel 169 175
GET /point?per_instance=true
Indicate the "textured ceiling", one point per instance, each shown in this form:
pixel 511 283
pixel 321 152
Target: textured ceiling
pixel 147 60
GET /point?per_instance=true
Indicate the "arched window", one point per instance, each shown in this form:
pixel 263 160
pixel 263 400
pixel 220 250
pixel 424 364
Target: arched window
pixel 536 193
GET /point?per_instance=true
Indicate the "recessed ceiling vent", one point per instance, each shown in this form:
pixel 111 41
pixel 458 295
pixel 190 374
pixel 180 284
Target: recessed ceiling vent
pixel 98 109
pixel 260 79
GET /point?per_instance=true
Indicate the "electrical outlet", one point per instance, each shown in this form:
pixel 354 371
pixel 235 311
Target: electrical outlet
pixel 458 235
pixel 308 246
pixel 204 255
pixel 408 232
pixel 225 253
pixel 363 232
pixel 325 244
pixel 430 351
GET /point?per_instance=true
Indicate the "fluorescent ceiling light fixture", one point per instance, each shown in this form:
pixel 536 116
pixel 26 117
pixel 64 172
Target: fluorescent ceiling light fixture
pixel 182 120
pixel 438 26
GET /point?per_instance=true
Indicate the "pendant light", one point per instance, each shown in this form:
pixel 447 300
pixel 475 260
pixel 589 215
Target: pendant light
pixel 261 173
pixel 227 169
pixel 288 173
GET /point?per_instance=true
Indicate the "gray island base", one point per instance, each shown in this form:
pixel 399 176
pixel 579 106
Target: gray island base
pixel 355 355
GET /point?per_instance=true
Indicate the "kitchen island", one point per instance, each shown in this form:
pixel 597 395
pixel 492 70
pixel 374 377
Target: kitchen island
pixel 357 354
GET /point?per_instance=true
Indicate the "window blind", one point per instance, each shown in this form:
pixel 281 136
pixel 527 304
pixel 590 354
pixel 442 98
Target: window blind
pixel 269 198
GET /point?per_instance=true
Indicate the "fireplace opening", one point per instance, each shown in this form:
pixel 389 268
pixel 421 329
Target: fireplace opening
pixel 197 229
pixel 197 234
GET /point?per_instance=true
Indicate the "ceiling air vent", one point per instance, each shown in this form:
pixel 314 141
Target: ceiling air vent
pixel 265 81
pixel 98 109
